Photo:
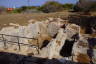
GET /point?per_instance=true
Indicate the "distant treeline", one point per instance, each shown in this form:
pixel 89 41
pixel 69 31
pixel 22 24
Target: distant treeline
pixel 48 7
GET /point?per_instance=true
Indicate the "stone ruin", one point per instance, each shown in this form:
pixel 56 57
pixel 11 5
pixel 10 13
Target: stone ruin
pixel 57 39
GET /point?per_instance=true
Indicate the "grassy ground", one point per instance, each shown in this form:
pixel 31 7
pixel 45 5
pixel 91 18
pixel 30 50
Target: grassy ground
pixel 22 19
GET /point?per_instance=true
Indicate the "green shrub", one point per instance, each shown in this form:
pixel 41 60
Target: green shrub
pixel 93 7
pixel 77 8
pixel 51 6
pixel 68 6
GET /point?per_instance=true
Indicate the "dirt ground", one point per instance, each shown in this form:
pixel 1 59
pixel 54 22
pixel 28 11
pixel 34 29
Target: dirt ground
pixel 23 19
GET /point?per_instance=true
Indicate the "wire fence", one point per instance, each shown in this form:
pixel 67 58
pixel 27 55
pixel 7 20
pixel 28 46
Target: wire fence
pixel 19 44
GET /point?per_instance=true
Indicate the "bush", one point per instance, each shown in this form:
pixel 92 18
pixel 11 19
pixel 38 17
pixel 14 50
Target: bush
pixel 77 8
pixel 16 11
pixel 2 9
pixel 68 6
pixel 28 7
pixel 93 7
pixel 51 6
pixel 87 7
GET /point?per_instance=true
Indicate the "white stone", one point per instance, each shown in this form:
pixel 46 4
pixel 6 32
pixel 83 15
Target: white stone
pixel 53 48
pixel 71 29
pixel 52 29
pixel 14 24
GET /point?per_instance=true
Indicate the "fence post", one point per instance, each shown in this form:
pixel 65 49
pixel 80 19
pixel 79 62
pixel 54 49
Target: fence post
pixel 18 42
pixel 4 40
pixel 38 46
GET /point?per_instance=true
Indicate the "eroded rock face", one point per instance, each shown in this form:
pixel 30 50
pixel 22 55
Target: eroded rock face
pixel 53 48
pixel 84 52
pixel 51 37
pixel 40 31
pixel 52 29
pixel 66 50
pixel 31 31
pixel 80 50
pixel 71 30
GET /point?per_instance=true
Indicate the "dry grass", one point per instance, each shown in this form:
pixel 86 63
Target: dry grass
pixel 23 19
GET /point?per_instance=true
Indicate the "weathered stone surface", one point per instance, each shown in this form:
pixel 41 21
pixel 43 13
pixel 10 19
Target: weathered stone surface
pixel 53 48
pixel 94 57
pixel 80 51
pixel 31 31
pixel 56 36
pixel 52 29
pixel 71 29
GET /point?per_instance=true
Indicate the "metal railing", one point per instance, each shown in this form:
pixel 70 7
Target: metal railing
pixel 5 41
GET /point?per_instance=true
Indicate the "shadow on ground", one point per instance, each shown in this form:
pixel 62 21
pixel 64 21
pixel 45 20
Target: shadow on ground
pixel 11 58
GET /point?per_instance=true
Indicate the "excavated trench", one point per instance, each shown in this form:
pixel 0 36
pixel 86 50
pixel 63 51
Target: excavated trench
pixel 45 43
pixel 66 50
pixel 88 22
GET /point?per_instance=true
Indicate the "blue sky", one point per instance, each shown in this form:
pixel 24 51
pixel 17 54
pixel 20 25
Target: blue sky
pixel 18 3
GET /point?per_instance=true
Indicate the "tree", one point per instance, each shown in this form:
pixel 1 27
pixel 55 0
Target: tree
pixel 51 6
pixel 2 9
pixel 93 7
pixel 23 8
pixel 68 6
pixel 85 5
